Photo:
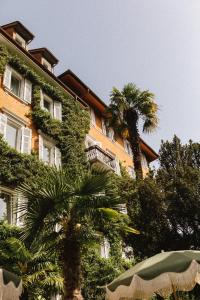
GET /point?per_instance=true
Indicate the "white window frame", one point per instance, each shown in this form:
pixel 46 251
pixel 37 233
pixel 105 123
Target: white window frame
pixel 144 162
pixel 131 172
pixel 105 248
pixel 47 64
pixel 24 133
pixel 20 78
pixel 25 93
pixel 11 219
pixel 103 124
pixel 55 154
pixel 55 106
pixel 111 134
pixel 127 147
pixel 20 39
pixel 92 117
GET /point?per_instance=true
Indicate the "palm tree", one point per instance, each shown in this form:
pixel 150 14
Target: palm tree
pixel 127 107
pixel 39 271
pixel 74 208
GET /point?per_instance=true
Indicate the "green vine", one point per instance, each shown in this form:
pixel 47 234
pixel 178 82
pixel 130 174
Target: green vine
pixel 69 134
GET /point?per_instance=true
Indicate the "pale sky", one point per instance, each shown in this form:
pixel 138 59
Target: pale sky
pixel 153 43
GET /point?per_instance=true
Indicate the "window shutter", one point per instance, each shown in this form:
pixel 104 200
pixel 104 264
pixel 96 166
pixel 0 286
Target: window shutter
pixel 40 147
pixel 103 126
pixel 126 145
pixel 3 123
pixel 117 170
pixel 28 91
pixel 26 140
pixel 57 110
pixel 57 157
pixel 7 77
pixel 111 134
pixel 22 88
pixel 105 248
pixel 19 211
pixel 144 161
pixel 41 99
pixel 92 117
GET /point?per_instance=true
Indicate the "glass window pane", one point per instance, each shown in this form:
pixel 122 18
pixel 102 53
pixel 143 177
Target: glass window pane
pixel 47 105
pixel 11 135
pixel 15 85
pixel 46 154
pixel 5 207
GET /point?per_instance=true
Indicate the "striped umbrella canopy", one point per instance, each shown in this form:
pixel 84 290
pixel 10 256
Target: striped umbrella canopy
pixel 162 274
pixel 10 286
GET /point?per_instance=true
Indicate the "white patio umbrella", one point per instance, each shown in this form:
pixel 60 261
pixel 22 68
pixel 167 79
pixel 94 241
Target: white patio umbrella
pixel 10 286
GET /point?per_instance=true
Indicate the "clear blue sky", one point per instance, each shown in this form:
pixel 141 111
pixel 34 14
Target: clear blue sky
pixel 153 43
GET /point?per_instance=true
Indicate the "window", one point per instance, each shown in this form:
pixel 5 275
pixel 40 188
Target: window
pixel 12 133
pixel 53 107
pixel 6 207
pixel 92 117
pixel 127 147
pixel 131 172
pixel 47 105
pixel 103 125
pixel 105 248
pixel 20 40
pixel 48 152
pixel 46 64
pixel 144 162
pixel 17 85
pixel 16 135
pixel 110 133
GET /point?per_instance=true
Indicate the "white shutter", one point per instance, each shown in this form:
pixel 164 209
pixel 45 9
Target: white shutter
pixel 3 123
pixel 40 147
pixel 41 99
pixel 111 134
pixel 27 91
pixel 7 77
pixel 26 140
pixel 131 172
pixel 57 157
pixel 103 126
pixel 22 87
pixel 57 110
pixel 117 170
pixel 126 145
pixel 92 116
pixel 105 248
pixel 19 212
pixel 144 162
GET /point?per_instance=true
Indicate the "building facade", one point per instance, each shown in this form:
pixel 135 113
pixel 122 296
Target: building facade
pixel 16 105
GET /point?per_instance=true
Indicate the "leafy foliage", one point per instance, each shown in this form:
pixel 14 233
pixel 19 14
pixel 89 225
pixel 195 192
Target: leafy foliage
pixel 79 207
pixel 40 272
pixel 168 203
pixel 127 107
pixel 98 271
pixel 68 134
pixel 16 168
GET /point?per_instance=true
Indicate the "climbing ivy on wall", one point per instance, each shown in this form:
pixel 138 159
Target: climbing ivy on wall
pixel 69 134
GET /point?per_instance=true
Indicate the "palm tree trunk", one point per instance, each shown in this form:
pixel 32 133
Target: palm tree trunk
pixel 134 138
pixel 71 266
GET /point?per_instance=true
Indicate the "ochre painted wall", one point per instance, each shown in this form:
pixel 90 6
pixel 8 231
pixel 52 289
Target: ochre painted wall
pixel 17 107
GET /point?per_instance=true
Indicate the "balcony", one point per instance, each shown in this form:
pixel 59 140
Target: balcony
pixel 96 154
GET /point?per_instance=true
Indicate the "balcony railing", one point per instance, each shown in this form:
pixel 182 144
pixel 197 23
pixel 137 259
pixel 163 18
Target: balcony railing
pixel 96 154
